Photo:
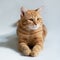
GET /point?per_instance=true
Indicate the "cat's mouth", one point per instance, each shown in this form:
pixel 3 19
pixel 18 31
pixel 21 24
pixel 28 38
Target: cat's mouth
pixel 34 27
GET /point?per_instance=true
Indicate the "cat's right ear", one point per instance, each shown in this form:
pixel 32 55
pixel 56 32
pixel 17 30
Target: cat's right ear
pixel 23 10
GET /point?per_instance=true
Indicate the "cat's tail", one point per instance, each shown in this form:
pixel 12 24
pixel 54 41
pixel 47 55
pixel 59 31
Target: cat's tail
pixel 44 31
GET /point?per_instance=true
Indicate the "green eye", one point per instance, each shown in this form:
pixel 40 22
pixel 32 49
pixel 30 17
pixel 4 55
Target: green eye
pixel 31 19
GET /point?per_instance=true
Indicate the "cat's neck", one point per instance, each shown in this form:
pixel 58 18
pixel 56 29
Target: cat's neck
pixel 25 30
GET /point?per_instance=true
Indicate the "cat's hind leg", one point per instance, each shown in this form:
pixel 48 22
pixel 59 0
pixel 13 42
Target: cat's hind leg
pixel 24 48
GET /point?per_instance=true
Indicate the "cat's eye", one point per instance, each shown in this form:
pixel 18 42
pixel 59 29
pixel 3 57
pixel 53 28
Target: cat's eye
pixel 38 18
pixel 31 19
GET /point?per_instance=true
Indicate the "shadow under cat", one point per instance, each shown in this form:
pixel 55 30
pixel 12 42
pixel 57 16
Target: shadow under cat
pixel 11 42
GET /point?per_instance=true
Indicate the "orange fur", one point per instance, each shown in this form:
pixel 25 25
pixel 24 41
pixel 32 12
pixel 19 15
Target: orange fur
pixel 30 41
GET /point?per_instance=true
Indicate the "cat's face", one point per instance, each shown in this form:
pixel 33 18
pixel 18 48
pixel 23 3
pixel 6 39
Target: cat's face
pixel 31 18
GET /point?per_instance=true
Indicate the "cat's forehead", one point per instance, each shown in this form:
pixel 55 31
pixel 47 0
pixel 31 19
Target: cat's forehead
pixel 32 13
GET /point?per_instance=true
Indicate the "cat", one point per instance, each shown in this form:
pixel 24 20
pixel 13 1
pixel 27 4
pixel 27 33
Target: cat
pixel 31 32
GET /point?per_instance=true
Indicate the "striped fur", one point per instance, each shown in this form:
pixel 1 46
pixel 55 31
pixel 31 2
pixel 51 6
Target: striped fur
pixel 30 40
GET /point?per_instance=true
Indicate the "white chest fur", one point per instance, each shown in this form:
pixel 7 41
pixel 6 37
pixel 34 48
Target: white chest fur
pixel 34 27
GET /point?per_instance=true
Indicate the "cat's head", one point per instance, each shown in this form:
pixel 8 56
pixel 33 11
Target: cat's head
pixel 31 18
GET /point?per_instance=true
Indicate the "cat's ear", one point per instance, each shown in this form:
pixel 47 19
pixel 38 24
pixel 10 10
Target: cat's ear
pixel 23 10
pixel 40 9
pixel 37 9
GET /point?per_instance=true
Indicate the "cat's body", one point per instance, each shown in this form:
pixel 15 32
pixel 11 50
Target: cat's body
pixel 31 32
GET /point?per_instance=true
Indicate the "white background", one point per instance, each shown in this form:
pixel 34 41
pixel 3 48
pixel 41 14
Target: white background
pixel 10 13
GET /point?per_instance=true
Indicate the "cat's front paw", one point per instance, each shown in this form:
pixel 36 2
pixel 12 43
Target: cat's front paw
pixel 34 53
pixel 26 52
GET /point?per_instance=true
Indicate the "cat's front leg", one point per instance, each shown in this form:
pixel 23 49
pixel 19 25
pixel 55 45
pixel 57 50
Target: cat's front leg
pixel 23 47
pixel 36 49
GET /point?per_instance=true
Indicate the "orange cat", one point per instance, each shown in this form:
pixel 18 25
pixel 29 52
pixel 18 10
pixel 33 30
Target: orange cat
pixel 31 32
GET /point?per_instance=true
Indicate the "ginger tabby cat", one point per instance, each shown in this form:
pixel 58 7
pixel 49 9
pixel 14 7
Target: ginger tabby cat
pixel 31 32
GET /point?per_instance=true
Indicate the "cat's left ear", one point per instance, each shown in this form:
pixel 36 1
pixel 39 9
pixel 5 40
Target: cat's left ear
pixel 40 9
pixel 37 9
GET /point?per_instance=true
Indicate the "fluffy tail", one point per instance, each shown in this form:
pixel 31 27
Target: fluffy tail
pixel 44 31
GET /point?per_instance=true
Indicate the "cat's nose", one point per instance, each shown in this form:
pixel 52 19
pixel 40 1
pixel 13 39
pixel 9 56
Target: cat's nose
pixel 35 22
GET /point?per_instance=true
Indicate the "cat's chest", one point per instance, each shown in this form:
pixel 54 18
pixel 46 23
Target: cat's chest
pixel 31 37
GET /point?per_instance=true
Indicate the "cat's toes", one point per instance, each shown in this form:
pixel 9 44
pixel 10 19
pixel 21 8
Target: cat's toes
pixel 27 52
pixel 33 54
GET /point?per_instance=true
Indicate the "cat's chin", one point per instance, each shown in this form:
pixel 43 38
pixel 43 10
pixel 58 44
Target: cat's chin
pixel 33 27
